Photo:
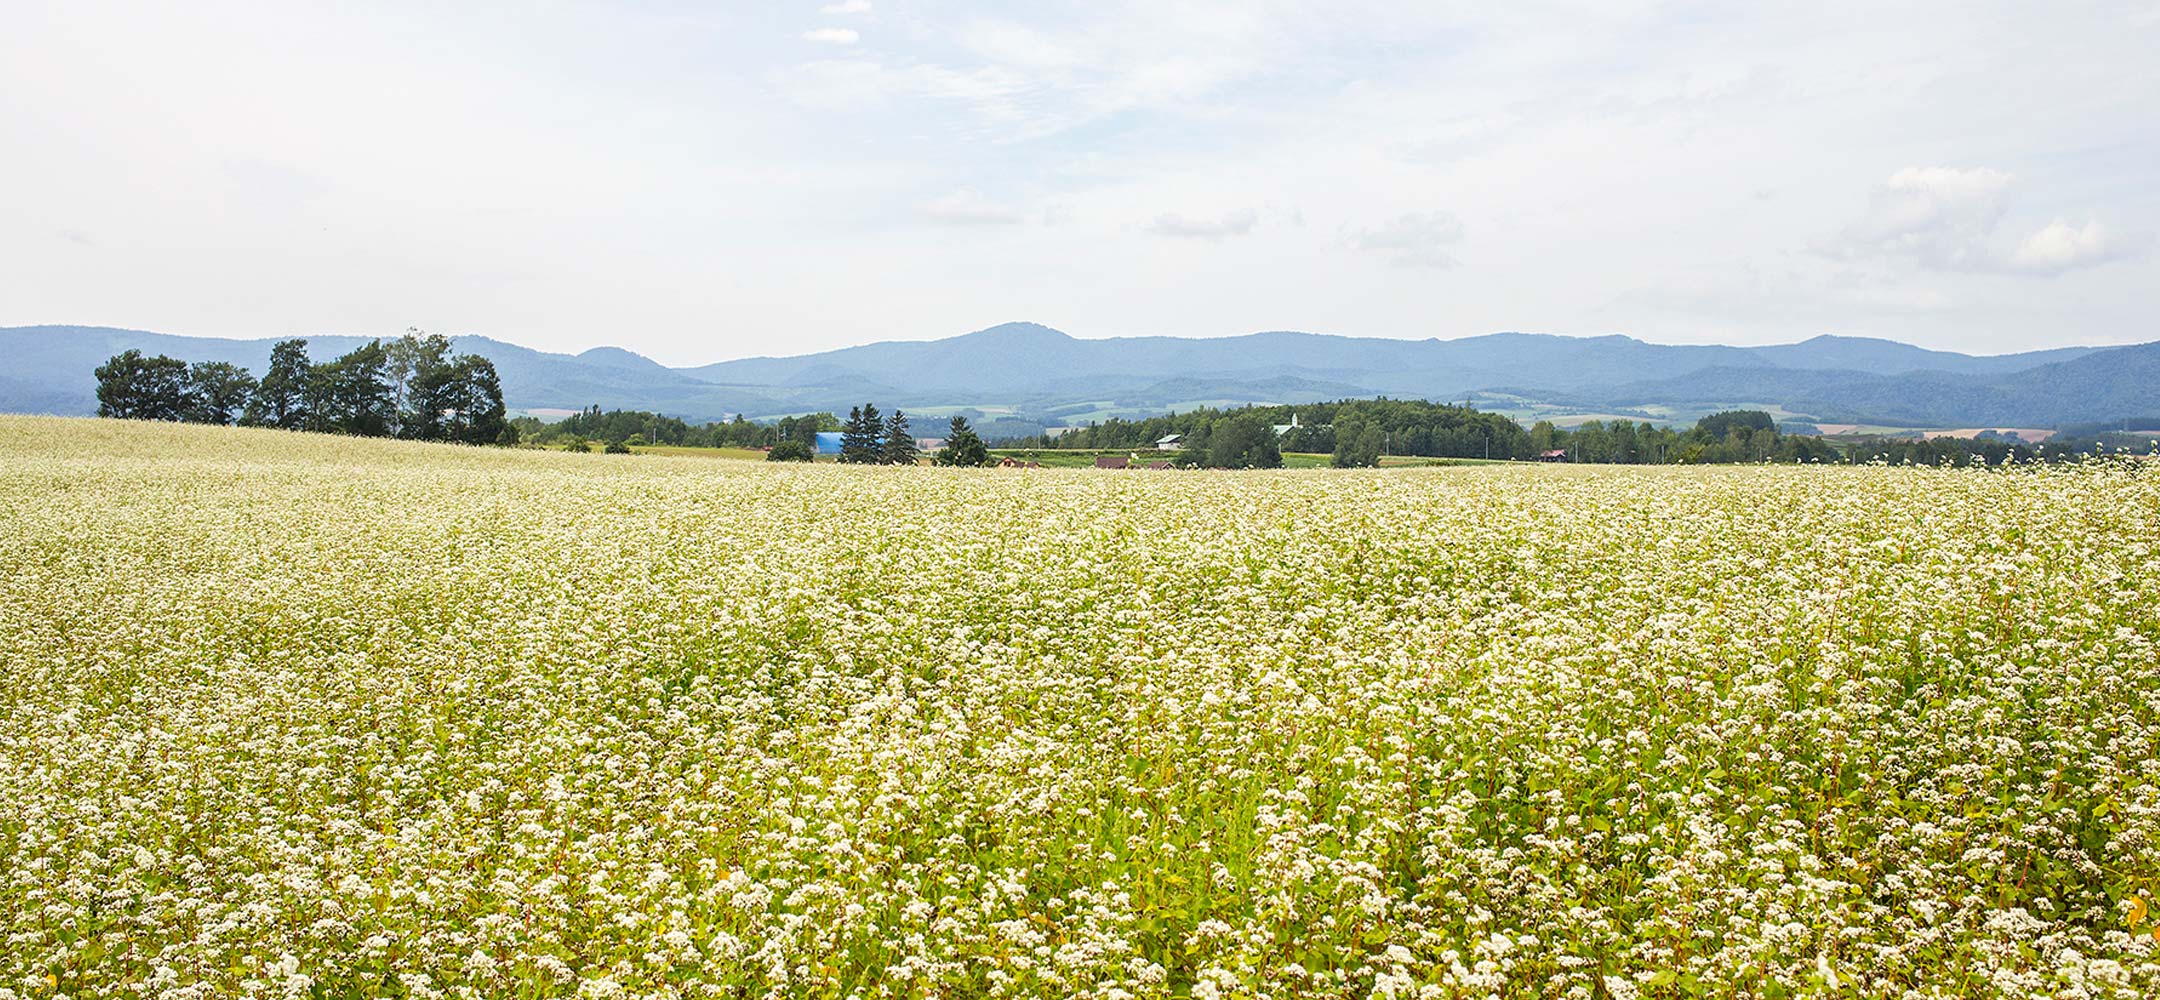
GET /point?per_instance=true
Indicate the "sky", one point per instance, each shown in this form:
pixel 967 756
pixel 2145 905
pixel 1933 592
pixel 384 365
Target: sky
pixel 703 181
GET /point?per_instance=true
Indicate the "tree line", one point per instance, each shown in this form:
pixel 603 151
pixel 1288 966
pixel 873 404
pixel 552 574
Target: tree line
pixel 1358 433
pixel 412 387
pixel 1354 432
pixel 639 427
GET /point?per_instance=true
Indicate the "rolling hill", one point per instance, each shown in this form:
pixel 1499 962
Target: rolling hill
pixel 1026 375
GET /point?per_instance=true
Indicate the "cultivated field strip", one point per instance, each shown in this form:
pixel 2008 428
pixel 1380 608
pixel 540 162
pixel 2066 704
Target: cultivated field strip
pixel 285 715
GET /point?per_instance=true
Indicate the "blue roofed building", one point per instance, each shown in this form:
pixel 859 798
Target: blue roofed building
pixel 828 443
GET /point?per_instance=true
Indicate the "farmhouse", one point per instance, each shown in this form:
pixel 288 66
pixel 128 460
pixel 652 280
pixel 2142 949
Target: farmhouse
pixel 1555 455
pixel 1170 442
pixel 1112 462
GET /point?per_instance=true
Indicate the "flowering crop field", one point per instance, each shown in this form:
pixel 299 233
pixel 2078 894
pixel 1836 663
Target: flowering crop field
pixel 285 715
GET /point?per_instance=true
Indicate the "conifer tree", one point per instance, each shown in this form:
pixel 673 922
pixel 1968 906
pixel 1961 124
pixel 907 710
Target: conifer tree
pixel 859 442
pixel 899 446
pixel 962 446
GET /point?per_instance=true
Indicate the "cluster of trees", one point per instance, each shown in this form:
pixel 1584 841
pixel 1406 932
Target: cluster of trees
pixel 1361 432
pixel 643 427
pixel 411 387
pixel 1720 438
pixel 1356 432
pixel 867 440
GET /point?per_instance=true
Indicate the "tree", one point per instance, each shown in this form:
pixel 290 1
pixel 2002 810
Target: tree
pixel 1357 445
pixel 423 378
pixel 962 446
pixel 899 448
pixel 1541 437
pixel 280 399
pixel 351 395
pixel 477 403
pixel 859 441
pixel 216 390
pixel 1718 426
pixel 134 387
pixel 790 450
pixel 1244 441
pixel 616 448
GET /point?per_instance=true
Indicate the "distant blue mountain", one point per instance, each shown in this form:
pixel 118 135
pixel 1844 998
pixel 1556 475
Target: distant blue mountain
pixel 1036 374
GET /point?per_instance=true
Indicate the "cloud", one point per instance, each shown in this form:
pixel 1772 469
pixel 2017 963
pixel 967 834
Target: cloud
pixel 832 36
pixel 968 207
pixel 846 7
pixel 1413 239
pixel 1238 223
pixel 2062 246
pixel 1952 219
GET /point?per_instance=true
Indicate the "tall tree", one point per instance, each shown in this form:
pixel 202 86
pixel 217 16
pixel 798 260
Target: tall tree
pixel 281 397
pixel 480 416
pixel 420 372
pixel 216 390
pixel 860 442
pixel 351 395
pixel 899 448
pixel 139 388
pixel 963 447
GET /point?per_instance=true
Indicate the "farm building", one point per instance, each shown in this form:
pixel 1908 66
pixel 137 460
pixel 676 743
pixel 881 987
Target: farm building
pixel 1112 462
pixel 828 443
pixel 1170 442
pixel 1555 455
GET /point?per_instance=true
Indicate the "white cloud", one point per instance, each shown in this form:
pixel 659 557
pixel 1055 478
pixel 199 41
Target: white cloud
pixel 1238 223
pixel 832 36
pixel 846 7
pixel 1938 216
pixel 1953 219
pixel 2062 246
pixel 968 207
pixel 1413 239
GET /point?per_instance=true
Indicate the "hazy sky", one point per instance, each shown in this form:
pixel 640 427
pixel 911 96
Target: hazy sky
pixel 700 181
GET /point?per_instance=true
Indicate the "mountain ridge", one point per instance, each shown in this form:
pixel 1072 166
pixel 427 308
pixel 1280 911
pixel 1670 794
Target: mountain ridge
pixel 1029 373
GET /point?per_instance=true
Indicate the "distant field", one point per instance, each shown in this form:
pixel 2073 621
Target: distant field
pixel 284 715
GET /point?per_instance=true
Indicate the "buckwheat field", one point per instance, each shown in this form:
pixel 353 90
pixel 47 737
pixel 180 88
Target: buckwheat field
pixel 289 716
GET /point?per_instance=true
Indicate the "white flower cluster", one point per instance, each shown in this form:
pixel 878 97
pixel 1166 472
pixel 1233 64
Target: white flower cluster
pixel 286 716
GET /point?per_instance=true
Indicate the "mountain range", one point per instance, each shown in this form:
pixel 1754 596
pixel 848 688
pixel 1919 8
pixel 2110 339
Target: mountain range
pixel 1020 377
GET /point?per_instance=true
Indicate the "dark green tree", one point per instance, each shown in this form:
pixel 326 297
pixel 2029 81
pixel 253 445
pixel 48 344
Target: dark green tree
pixel 280 399
pixel 789 450
pixel 861 441
pixel 134 387
pixel 1357 445
pixel 1244 441
pixel 899 446
pixel 477 403
pixel 216 391
pixel 351 395
pixel 962 446
pixel 422 377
